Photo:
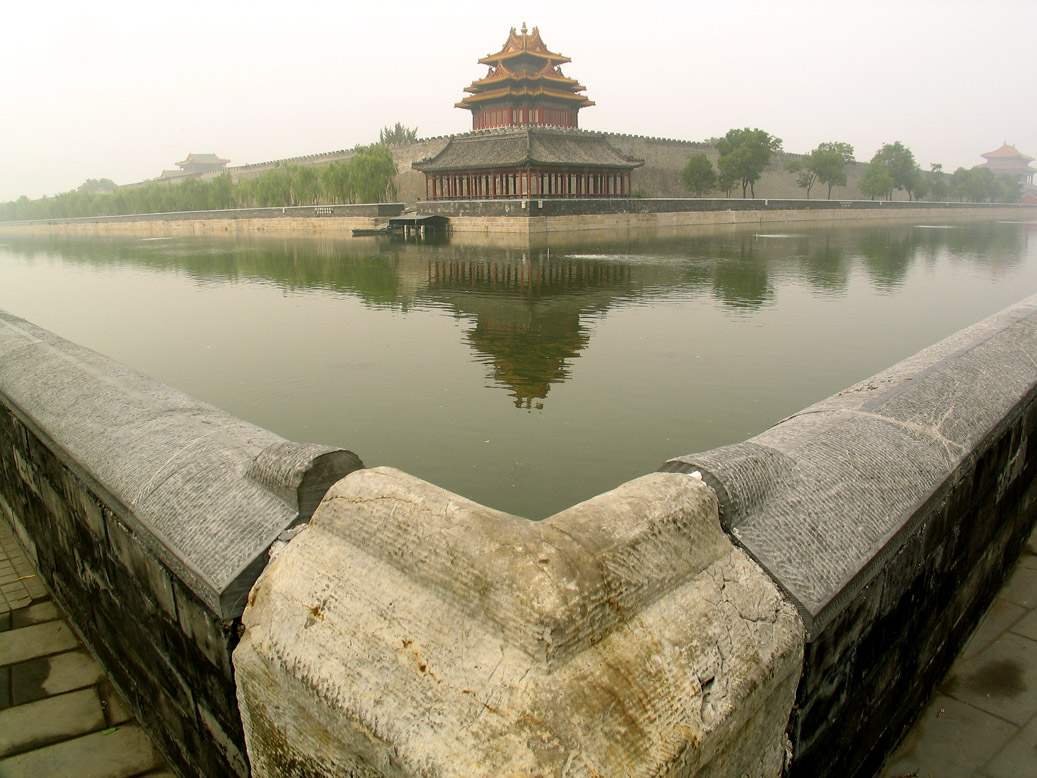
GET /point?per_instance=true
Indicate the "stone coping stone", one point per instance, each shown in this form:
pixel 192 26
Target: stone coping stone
pixel 409 631
pixel 823 497
pixel 206 492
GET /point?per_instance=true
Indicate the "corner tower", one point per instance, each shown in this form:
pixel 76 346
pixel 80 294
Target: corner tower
pixel 524 86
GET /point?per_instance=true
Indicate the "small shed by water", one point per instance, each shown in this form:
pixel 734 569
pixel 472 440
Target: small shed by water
pixel 418 224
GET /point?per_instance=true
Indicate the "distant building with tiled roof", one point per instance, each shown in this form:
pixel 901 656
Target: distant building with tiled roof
pixel 525 141
pixel 1009 159
pixel 200 163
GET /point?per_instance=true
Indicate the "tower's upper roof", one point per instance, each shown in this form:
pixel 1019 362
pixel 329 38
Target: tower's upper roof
pixel 525 68
pixel 524 43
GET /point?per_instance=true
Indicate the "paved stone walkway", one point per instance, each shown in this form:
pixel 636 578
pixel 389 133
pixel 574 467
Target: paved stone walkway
pixel 59 716
pixel 982 719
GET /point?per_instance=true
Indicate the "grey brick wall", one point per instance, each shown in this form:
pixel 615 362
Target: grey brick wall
pixel 891 513
pixel 155 586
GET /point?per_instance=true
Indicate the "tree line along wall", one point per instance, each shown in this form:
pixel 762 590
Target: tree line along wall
pixel 659 177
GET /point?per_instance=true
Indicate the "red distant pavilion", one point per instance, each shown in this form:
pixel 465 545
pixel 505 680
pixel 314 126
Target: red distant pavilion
pixel 525 141
pixel 1009 159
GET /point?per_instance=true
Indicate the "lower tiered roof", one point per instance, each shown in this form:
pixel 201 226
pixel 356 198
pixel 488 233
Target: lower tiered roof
pixel 527 147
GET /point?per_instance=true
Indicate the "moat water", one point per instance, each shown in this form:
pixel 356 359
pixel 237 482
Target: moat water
pixel 524 378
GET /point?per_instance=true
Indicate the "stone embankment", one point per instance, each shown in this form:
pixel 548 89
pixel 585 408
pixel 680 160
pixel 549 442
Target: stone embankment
pixel 332 220
pixel 785 602
pixel 522 218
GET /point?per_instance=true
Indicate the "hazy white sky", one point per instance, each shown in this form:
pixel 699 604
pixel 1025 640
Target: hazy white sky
pixel 121 90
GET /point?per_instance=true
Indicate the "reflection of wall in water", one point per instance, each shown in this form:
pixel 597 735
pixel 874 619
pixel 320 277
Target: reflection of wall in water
pixel 528 313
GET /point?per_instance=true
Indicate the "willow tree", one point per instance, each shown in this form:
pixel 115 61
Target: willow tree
pixel 372 175
pixel 391 136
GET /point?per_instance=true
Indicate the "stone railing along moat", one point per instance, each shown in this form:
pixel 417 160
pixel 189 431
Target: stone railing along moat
pixel 792 597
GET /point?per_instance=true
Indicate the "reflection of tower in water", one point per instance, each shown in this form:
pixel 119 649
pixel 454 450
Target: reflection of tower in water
pixel 527 314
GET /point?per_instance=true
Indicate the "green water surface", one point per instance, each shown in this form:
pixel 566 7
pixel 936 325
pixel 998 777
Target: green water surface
pixel 524 378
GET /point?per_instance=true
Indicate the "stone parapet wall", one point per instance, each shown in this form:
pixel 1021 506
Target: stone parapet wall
pixel 148 515
pixel 546 217
pixel 891 514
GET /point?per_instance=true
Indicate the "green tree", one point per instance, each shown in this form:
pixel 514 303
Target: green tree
pixel 698 175
pixel 877 181
pixel 372 174
pixel 274 188
pixel 221 195
pixel 806 176
pixel 829 161
pixel 920 188
pixel 900 162
pixel 726 181
pixel 93 185
pixel 939 188
pixel 961 183
pixel 306 185
pixel 980 184
pixel 391 136
pixel 745 154
pixel 1009 188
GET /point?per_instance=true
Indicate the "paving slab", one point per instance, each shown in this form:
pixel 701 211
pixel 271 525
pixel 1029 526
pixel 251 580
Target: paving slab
pixel 1021 587
pixel 45 721
pixel 115 709
pixel 57 674
pixel 1018 759
pixel 932 745
pixel 19 645
pixel 1001 616
pixel 14 596
pixel 122 752
pixel 1000 680
pixel 1027 626
pixel 39 613
pixel 5 688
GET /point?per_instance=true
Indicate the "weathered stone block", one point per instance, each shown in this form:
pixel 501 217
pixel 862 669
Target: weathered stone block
pixel 209 634
pixel 85 506
pixel 409 631
pixel 150 575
